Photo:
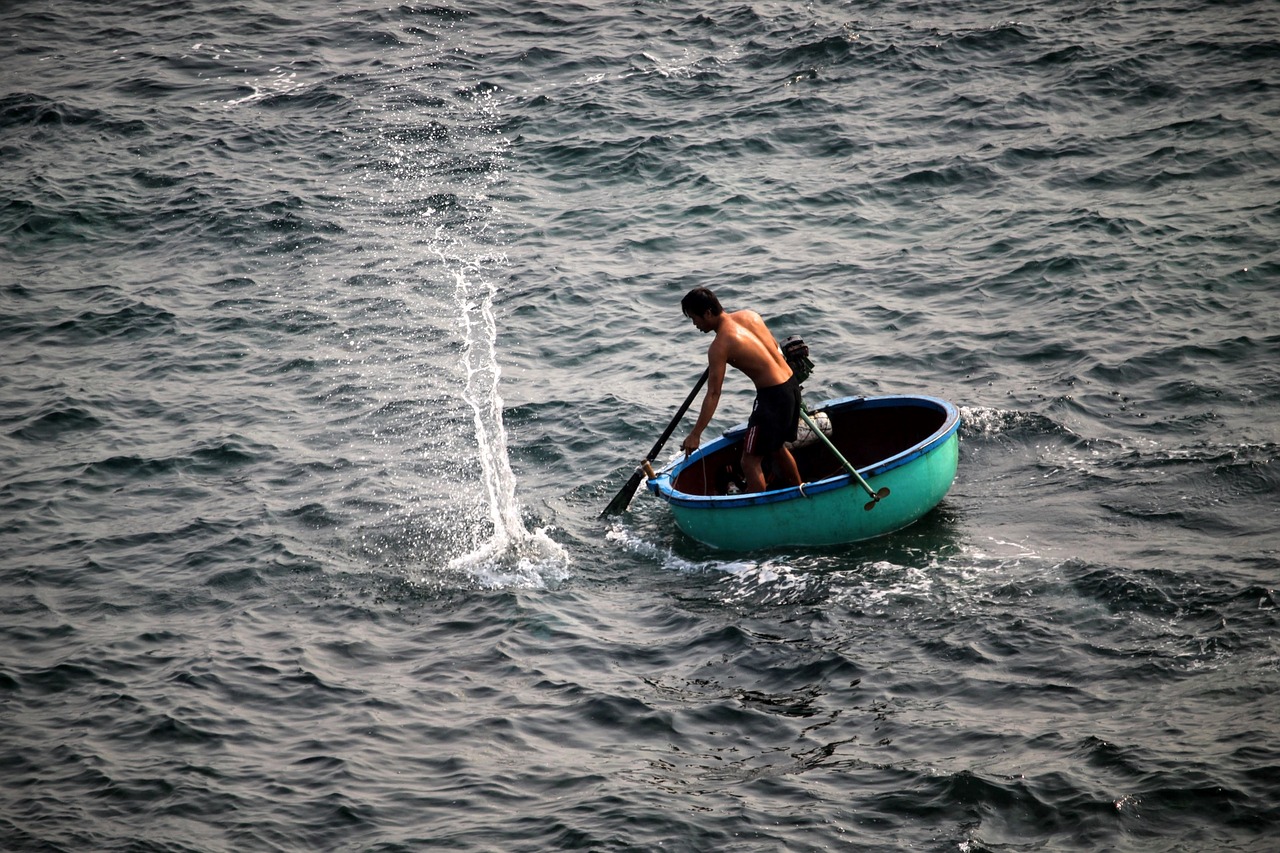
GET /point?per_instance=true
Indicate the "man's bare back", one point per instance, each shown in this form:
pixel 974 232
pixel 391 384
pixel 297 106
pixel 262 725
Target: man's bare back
pixel 742 340
pixel 746 344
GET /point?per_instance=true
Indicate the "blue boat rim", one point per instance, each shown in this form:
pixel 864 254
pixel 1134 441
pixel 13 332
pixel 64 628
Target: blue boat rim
pixel 662 484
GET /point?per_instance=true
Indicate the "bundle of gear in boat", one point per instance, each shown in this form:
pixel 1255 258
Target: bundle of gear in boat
pixel 729 479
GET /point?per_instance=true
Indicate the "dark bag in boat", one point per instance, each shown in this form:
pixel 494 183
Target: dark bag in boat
pixel 796 352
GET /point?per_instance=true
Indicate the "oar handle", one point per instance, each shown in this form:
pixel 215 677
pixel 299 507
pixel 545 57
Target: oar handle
pixel 623 498
pixel 684 407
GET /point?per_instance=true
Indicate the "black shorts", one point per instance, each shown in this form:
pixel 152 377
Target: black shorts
pixel 773 419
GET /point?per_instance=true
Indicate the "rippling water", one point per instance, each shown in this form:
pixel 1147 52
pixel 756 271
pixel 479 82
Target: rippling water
pixel 329 329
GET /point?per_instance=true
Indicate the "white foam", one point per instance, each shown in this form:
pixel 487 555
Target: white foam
pixel 513 555
pixel 747 577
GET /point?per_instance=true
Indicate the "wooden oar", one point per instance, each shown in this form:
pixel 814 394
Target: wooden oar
pixel 623 499
pixel 875 496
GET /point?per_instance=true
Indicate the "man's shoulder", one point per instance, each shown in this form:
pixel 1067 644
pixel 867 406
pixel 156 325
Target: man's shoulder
pixel 749 320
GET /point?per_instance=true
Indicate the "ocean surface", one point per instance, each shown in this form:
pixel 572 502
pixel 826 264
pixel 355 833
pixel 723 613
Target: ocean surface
pixel 327 330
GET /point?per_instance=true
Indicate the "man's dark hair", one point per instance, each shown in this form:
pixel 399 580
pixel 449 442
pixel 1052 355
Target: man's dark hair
pixel 699 301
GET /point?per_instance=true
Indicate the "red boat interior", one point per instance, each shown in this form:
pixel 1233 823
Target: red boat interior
pixel 863 434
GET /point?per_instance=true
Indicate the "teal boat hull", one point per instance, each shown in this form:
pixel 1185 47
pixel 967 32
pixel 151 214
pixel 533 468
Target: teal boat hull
pixel 915 444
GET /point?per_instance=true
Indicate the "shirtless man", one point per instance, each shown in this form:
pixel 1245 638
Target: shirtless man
pixel 743 341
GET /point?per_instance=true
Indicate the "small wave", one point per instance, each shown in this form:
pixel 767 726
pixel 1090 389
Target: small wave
pixel 746 581
pixel 54 424
pixel 129 467
pixel 26 109
pixel 131 322
pixel 684 66
pixel 1125 591
pixel 210 458
pixel 1225 459
pixel 959 172
pixel 863 579
pixel 276 86
pixel 1130 80
pixel 629 541
pixel 314 99
pixel 44 222
pixel 985 422
pixel 820 52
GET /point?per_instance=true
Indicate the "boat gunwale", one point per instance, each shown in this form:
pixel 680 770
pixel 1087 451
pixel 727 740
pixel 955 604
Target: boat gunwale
pixel 663 488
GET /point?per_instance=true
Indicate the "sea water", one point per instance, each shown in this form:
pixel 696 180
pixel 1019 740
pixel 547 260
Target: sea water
pixel 328 329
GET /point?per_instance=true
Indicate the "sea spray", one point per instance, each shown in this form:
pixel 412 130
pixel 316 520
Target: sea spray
pixel 441 152
pixel 513 555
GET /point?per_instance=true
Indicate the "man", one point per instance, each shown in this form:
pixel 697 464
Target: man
pixel 743 341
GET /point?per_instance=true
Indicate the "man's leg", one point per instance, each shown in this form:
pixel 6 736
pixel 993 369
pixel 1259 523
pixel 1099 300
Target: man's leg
pixel 752 472
pixel 786 466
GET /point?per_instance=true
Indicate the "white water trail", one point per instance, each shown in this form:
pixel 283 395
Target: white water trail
pixel 460 164
pixel 513 555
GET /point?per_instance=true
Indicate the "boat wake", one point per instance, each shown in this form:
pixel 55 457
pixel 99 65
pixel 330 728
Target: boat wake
pixel 745 580
pixel 878 581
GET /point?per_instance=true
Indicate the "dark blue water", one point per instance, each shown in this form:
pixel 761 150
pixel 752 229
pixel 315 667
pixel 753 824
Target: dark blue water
pixel 327 330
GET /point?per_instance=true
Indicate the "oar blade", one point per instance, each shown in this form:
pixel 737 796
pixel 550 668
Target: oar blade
pixel 622 499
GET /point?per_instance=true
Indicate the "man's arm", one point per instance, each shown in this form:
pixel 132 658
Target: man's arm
pixel 716 365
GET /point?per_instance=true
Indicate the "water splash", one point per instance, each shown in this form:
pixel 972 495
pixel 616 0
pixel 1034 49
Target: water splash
pixel 513 555
pixel 443 156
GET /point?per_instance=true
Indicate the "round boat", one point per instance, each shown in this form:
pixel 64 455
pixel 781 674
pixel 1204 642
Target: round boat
pixel 907 444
